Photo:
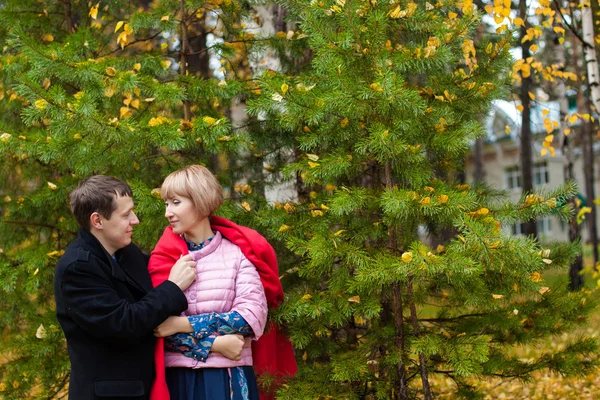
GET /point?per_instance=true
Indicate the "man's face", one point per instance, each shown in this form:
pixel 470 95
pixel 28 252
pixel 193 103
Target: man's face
pixel 115 233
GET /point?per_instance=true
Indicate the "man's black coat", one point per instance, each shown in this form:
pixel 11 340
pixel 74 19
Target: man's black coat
pixel 108 311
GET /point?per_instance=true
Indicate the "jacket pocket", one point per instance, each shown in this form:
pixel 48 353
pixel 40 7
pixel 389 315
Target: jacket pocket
pixel 119 388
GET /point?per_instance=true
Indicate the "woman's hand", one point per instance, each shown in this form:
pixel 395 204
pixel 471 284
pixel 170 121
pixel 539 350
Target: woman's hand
pixel 173 325
pixel 230 346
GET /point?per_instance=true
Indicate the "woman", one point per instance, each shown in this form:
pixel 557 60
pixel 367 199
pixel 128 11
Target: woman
pixel 227 302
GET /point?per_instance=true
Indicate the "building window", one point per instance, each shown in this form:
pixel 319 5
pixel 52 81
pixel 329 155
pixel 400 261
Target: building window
pixel 540 174
pixel 543 225
pixel 513 178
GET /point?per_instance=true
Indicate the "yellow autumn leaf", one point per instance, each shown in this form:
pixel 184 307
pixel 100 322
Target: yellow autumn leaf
pixel 94 11
pixel 442 198
pixel 313 164
pixel 109 91
pixel 164 18
pixel 354 299
pixel 284 228
pixel 573 118
pixel 313 157
pixel 316 213
pixel 407 257
pixel 547 260
pixel 549 138
pixel 48 38
pixel 507 129
pixel 533 48
pixel 307 296
pixel 284 88
pixel 519 107
pixel 135 103
pixel 245 206
pixel 452 15
pixel 52 186
pixel 41 104
pixel 344 123
pixel 395 13
pixel 543 152
pixel 119 25
pixel 536 277
pixel 376 87
pixel 497 296
pixel 137 66
pixel 110 71
pixel 124 112
pixel 544 290
pixel 209 120
pixel 165 64
pixel 531 95
pixel 338 233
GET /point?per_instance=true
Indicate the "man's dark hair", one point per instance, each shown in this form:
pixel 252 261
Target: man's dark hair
pixel 97 194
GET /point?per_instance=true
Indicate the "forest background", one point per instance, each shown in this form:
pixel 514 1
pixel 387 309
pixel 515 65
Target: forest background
pixel 339 129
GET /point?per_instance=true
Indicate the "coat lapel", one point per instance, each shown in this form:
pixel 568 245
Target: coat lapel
pixel 135 269
pixel 125 263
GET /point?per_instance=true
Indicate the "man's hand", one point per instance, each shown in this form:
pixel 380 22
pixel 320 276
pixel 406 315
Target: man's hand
pixel 229 346
pixel 183 272
pixel 173 325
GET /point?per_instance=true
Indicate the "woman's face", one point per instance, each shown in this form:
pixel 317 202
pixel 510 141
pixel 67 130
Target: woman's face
pixel 181 214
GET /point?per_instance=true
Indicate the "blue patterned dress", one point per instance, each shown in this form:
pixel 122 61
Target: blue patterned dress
pixel 236 383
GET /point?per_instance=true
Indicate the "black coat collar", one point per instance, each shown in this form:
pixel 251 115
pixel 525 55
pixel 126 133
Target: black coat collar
pixel 120 269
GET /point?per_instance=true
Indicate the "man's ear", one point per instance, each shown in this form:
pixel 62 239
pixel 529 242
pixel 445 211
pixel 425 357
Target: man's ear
pixel 96 220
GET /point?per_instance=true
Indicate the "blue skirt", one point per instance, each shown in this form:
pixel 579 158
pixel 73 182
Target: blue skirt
pixel 210 383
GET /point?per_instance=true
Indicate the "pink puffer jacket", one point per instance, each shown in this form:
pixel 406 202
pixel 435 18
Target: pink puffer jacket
pixel 225 281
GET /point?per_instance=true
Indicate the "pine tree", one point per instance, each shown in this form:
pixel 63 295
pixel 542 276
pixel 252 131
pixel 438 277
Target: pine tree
pixel 92 88
pixel 381 122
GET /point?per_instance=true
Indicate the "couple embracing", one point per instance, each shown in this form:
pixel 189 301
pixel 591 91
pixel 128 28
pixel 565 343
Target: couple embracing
pixel 204 293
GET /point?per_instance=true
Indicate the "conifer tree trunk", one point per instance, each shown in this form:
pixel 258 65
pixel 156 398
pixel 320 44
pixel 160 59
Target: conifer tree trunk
pixel 566 145
pixel 400 381
pixel 526 144
pixel 183 56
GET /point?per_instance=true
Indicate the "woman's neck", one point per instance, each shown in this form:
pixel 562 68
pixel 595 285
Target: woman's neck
pixel 200 232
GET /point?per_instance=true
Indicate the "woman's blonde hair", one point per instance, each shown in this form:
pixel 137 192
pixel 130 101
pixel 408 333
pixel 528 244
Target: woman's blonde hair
pixel 196 183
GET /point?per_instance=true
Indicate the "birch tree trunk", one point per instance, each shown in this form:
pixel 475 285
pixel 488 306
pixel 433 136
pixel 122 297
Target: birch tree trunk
pixel 587 142
pixel 589 52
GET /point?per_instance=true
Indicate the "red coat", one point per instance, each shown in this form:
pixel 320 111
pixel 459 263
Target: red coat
pixel 272 353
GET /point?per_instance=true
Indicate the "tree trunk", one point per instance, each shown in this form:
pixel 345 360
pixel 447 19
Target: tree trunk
pixel 588 172
pixel 400 383
pixel 478 168
pixel 566 145
pixel 589 52
pixel 529 227
pixel 587 142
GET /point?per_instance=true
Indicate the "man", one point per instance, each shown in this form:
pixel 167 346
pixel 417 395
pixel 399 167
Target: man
pixel 105 302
